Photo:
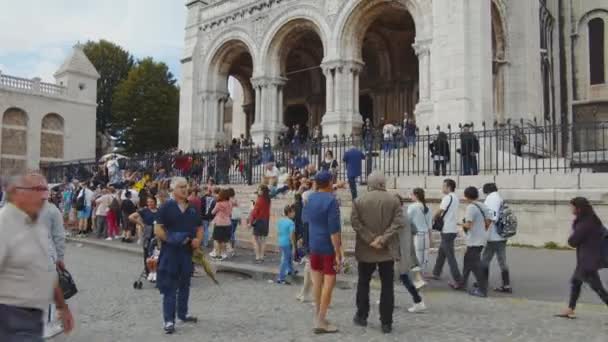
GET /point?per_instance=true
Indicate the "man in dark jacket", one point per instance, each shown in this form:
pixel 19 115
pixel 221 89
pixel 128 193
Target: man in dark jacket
pixel 469 148
pixel 377 218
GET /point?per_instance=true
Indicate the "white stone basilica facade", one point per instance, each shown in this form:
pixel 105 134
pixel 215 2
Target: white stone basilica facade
pixel 334 63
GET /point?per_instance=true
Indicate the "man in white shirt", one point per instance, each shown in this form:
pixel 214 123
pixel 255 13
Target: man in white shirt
pixel 448 210
pixel 496 243
pixel 271 174
pixel 387 133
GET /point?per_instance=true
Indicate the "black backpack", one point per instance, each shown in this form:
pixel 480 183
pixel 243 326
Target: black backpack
pixel 80 201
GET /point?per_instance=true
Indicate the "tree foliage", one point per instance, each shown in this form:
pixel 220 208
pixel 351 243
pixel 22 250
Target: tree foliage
pixel 113 64
pixel 146 108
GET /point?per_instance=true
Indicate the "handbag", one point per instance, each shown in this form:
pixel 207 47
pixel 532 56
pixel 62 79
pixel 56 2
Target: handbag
pixel 66 282
pixel 438 224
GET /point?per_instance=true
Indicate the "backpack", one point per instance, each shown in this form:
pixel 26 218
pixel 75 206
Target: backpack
pixel 80 201
pixel 506 226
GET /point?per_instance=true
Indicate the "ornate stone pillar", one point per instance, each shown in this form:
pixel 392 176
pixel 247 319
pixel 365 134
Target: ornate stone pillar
pixel 342 100
pixel 269 101
pixel 424 108
pixel 211 126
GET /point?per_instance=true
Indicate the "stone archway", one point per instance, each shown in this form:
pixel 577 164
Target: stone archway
pixel 380 38
pixel 295 49
pixel 233 59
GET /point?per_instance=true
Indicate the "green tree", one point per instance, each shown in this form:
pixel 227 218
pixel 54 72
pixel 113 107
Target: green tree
pixel 113 64
pixel 146 108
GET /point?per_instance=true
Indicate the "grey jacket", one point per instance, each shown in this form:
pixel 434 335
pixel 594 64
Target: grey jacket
pixel 51 217
pixel 377 213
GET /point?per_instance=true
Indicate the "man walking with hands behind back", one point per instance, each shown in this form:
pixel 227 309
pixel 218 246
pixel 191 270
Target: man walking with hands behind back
pixel 377 218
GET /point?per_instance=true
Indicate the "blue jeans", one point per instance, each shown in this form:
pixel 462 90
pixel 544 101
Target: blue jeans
pixel 286 264
pixel 235 224
pixel 352 184
pixel 387 146
pixel 206 233
pixel 20 325
pixel 175 298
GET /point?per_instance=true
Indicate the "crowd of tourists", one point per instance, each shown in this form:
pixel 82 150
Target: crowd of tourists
pixel 183 215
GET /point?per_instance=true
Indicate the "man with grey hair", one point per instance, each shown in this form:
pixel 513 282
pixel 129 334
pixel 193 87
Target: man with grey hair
pixel 179 226
pixel 26 280
pixel 377 219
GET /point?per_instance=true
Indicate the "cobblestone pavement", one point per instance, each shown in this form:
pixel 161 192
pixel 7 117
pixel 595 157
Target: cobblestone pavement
pixel 109 309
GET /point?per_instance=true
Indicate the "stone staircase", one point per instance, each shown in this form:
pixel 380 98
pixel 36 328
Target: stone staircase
pixel 246 194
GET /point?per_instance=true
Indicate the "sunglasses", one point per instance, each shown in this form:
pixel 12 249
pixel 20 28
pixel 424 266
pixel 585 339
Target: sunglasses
pixel 34 188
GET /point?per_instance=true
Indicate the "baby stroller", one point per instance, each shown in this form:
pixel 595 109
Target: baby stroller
pixel 151 249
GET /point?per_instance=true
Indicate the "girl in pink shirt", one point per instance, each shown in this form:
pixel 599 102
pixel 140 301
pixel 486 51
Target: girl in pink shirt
pixel 222 222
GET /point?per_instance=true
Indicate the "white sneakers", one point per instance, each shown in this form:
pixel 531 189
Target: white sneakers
pixel 213 254
pixel 108 239
pixel 52 329
pixel 417 308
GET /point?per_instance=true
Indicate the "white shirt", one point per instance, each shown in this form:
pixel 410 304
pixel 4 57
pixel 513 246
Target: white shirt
pixel 274 172
pixel 103 204
pixel 450 219
pixel 494 202
pixel 388 131
pixel 477 234
pixel 88 196
pixel 25 277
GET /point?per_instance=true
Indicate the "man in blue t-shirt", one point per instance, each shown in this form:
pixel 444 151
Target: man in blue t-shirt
pixel 353 159
pixel 322 213
pixel 180 228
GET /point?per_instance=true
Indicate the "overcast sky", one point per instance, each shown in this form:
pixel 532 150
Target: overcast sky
pixel 37 35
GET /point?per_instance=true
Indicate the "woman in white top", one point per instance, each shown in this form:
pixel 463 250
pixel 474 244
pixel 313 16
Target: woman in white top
pixel 420 218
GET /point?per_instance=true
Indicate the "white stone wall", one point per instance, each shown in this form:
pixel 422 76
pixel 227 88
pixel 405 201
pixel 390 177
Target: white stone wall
pixel 453 44
pixel 78 116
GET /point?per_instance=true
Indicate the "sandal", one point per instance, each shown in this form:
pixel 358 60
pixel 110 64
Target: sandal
pixel 329 329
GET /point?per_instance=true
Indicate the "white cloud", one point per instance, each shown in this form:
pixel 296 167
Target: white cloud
pixel 41 30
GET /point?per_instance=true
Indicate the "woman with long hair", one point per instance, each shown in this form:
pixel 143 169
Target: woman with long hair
pixel 421 218
pixel 588 234
pixel 260 220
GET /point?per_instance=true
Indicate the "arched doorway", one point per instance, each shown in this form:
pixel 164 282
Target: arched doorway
pixel 51 138
pixel 230 96
pixel 366 107
pixel 381 34
pixel 298 50
pixel 13 152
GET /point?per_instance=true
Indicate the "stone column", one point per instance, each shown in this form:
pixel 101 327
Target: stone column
pixel 342 114
pixel 210 127
pixel 269 95
pixel 424 108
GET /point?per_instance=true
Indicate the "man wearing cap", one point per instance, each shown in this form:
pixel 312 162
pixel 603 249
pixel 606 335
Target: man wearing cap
pixel 376 218
pixel 322 213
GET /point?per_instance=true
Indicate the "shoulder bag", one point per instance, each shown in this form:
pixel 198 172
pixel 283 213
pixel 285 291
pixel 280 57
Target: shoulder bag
pixel 438 224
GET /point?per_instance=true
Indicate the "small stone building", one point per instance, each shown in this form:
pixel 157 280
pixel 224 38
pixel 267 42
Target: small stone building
pixel 44 122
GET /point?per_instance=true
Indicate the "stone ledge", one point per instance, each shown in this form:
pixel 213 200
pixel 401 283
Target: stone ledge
pixel 556 181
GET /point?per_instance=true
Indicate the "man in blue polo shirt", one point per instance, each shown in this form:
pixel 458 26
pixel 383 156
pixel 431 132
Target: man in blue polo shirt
pixel 179 226
pixel 353 159
pixel 322 213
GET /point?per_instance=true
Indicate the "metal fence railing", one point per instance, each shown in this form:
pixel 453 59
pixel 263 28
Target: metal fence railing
pixel 501 148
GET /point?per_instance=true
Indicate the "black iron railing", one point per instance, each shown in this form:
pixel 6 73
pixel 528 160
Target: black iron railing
pixel 502 148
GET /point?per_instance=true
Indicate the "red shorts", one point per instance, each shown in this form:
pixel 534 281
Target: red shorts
pixel 325 264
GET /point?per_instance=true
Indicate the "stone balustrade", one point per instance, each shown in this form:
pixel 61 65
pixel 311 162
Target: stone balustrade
pixel 31 85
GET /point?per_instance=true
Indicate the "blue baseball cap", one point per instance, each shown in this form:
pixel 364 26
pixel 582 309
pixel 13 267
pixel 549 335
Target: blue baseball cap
pixel 323 177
